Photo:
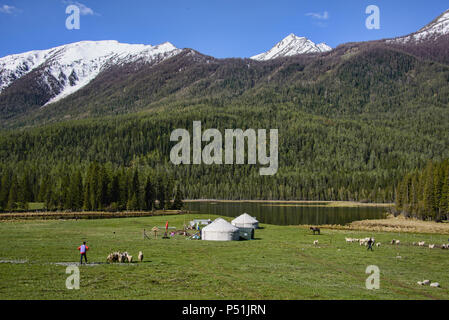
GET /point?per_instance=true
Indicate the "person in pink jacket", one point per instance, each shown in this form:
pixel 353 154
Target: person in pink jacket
pixel 83 250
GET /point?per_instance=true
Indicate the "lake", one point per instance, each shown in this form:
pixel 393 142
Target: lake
pixel 288 213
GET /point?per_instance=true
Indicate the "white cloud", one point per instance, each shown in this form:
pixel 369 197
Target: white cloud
pixel 319 16
pixel 84 10
pixel 7 9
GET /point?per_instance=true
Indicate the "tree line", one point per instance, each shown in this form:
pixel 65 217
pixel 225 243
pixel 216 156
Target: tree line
pixel 90 187
pixel 424 194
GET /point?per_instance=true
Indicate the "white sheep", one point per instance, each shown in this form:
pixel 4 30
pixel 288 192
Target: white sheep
pixel 315 242
pixel 431 246
pixel 435 284
pixel 421 243
pixel 140 256
pixel 348 240
pixel 378 244
pixel 420 283
pixel 426 282
pixel 364 241
pixel 130 258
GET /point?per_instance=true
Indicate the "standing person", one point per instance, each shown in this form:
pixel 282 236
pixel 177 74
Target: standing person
pixel 370 244
pixel 83 249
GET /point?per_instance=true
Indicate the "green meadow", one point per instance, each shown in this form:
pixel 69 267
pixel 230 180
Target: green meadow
pixel 281 263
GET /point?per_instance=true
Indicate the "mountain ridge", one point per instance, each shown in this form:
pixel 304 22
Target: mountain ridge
pixel 432 31
pixel 127 77
pixel 74 65
pixel 290 46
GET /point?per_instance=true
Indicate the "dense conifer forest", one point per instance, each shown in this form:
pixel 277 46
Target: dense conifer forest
pixel 93 187
pixel 424 194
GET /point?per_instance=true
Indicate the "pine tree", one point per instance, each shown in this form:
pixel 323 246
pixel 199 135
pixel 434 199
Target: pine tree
pixel 177 202
pixel 444 200
pixel 4 190
pixel 75 195
pixel 161 192
pixel 114 189
pixel 123 186
pixel 429 192
pixel 13 194
pixel 132 203
pixel 66 196
pixel 134 192
pixel 149 195
pixel 88 201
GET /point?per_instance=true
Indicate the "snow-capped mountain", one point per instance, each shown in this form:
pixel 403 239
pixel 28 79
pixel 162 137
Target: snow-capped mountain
pixel 290 46
pixel 437 28
pixel 68 68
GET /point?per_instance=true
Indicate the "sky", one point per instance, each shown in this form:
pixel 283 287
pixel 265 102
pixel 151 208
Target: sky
pixel 230 28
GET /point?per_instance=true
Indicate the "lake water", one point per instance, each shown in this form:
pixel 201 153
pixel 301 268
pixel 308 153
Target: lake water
pixel 287 213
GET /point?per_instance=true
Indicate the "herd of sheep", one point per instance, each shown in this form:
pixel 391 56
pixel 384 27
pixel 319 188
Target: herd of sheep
pixel 364 242
pixel 427 282
pixel 122 257
pixel 431 246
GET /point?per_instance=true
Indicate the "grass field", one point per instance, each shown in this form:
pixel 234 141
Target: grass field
pixel 281 263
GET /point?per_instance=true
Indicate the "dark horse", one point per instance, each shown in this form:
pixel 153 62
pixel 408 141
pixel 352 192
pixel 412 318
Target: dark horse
pixel 315 229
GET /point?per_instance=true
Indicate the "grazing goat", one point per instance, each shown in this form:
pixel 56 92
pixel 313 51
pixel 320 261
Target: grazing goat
pixel 315 229
pixel 140 256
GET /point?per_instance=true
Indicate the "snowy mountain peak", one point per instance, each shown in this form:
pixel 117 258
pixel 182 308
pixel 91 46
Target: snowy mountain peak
pixel 74 65
pixel 290 46
pixel 435 29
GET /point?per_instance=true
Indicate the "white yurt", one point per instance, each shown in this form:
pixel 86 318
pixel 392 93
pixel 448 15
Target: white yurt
pixel 220 230
pixel 245 221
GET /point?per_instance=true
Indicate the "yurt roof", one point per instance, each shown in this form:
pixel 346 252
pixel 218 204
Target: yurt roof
pixel 244 218
pixel 220 225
